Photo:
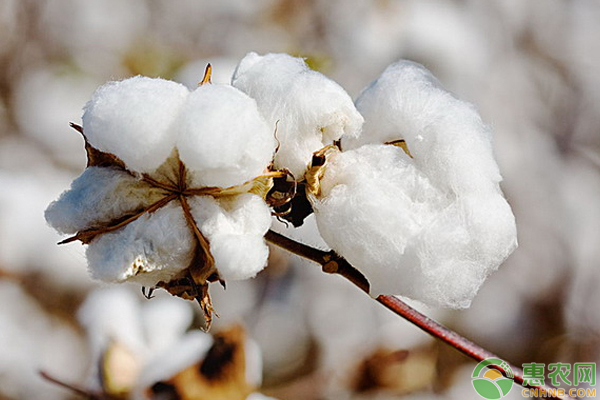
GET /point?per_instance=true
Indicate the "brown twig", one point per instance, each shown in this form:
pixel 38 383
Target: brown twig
pixel 73 388
pixel 333 263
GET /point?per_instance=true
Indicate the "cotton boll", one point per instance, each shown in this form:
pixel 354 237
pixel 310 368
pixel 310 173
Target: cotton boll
pixel 112 315
pixel 445 135
pixel 409 237
pixel 222 137
pixel 165 319
pixel 309 109
pixel 368 215
pixel 32 340
pixel 186 351
pixel 235 230
pixel 153 248
pixel 133 119
pixel 99 195
pixel 239 256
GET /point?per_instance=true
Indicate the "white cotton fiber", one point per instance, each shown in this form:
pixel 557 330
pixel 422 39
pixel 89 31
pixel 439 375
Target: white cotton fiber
pixel 99 195
pixel 133 119
pixel 235 228
pixel 186 351
pixel 445 135
pixel 153 248
pixel 408 234
pixel 35 340
pixel 310 110
pixel 223 139
pixel 165 320
pixel 112 314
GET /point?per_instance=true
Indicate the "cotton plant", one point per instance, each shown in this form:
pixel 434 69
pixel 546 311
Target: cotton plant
pixel 148 351
pixel 180 185
pixel 414 202
pixel 173 193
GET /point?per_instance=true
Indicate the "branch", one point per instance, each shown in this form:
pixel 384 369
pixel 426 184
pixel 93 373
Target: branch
pixel 73 388
pixel 334 264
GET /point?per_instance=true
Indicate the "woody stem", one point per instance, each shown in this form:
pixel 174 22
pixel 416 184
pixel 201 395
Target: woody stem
pixel 342 267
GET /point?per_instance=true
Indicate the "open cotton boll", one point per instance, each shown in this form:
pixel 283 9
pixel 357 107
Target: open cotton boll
pixel 310 110
pixel 133 119
pixel 235 230
pixel 184 352
pixel 223 138
pixel 175 319
pixel 34 340
pixel 99 195
pixel 407 235
pixel 112 314
pixel 153 248
pixel 444 134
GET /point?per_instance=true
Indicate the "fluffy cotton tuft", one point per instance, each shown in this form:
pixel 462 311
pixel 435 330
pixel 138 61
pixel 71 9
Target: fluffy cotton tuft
pixel 222 137
pixel 235 230
pixel 310 110
pixel 98 195
pixel 112 314
pixel 133 119
pixel 184 352
pixel 407 102
pixel 173 144
pixel 153 248
pixel 432 227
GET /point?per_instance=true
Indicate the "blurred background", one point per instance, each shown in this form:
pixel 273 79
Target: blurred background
pixel 531 68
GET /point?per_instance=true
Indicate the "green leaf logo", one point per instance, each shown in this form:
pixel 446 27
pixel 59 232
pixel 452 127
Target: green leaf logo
pixel 490 383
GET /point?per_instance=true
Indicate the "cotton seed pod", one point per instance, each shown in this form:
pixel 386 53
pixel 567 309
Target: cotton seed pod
pixel 174 193
pixel 309 109
pixel 427 221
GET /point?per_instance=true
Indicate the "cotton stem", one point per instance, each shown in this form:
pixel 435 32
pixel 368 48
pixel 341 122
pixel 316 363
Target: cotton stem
pixel 333 263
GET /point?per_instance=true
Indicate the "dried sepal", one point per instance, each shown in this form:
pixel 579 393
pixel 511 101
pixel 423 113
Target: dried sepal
pixel 282 190
pixel 97 158
pixel 316 169
pixel 402 144
pixel 189 288
pixel 221 375
pixel 207 75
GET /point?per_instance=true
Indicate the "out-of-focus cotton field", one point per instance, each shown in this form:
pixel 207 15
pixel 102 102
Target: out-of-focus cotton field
pixel 532 69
